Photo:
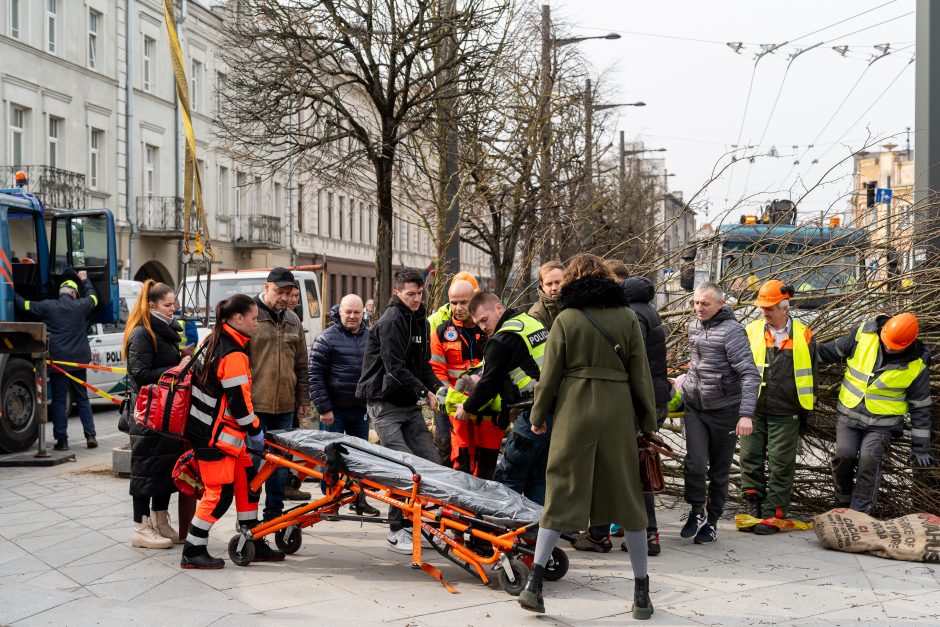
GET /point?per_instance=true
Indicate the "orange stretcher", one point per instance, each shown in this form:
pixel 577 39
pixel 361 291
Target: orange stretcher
pixel 469 521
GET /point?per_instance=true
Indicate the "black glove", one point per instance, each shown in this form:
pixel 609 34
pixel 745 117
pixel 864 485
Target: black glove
pixel 923 459
pixel 503 418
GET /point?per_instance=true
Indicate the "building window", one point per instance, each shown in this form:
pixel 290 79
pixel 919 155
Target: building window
pixel 329 214
pixel 150 45
pixel 256 197
pixel 55 126
pixel 51 15
pixel 241 195
pixel 300 208
pixel 278 199
pixel 371 230
pixel 340 218
pixel 93 19
pixel 16 19
pixel 219 85
pixel 222 208
pixel 17 125
pixel 151 156
pixel 195 90
pixel 95 145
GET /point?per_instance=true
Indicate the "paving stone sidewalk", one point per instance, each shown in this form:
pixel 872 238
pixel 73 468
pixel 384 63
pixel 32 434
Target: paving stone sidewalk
pixel 65 559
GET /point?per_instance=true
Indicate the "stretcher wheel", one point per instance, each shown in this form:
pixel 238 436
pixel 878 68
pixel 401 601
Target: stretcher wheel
pixel 247 554
pixel 293 541
pixel 557 565
pixel 520 573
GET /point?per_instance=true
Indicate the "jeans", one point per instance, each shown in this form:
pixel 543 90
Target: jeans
pixel 856 467
pixel 349 420
pixel 522 467
pixel 274 486
pixel 710 440
pixel 402 429
pixel 768 461
pixel 60 413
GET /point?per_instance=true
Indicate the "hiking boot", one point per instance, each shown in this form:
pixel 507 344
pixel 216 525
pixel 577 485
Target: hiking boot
pixel 584 542
pixel 264 552
pixel 400 541
pixel 91 442
pixel 652 544
pixel 763 529
pixel 694 522
pixel 531 596
pixel 752 507
pixel 642 605
pixel 146 537
pixel 362 508
pixel 295 494
pixel 707 534
pixel 197 557
pixel 161 524
pixel 61 445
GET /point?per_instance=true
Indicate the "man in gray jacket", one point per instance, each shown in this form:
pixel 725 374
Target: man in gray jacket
pixel 720 396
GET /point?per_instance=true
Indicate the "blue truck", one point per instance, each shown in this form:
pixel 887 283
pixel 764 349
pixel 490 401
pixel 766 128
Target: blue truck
pixel 33 264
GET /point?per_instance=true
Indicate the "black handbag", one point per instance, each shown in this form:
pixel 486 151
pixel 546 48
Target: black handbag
pixel 124 419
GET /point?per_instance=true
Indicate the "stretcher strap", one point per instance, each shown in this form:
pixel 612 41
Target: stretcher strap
pixel 89 366
pixel 437 574
pixel 100 393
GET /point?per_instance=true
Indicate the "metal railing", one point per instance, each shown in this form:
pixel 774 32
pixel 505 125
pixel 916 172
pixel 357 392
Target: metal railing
pixel 58 189
pixel 160 215
pixel 259 231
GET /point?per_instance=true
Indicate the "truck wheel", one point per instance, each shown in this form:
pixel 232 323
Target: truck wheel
pixel 18 423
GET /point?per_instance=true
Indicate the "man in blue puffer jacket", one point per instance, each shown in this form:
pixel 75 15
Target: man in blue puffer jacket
pixel 335 365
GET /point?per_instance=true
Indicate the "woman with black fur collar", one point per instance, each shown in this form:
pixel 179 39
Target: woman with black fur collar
pixel 593 463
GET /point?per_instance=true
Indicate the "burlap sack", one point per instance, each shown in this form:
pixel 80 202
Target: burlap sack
pixel 912 538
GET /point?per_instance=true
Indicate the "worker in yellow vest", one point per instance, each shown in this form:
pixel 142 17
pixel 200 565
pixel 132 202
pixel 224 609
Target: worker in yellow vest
pixel 887 376
pixel 784 352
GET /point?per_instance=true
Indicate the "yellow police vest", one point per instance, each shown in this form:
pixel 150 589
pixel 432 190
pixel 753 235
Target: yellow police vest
pixel 535 335
pixel 886 395
pixel 802 360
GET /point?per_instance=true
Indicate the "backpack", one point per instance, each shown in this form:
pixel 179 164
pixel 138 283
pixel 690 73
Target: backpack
pixel 164 406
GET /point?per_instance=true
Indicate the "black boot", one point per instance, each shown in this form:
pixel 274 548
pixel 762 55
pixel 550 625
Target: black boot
pixel 752 507
pixel 642 606
pixel 264 552
pixel 198 557
pixel 531 597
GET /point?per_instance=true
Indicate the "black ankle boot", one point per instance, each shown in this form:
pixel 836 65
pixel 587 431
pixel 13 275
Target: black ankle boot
pixel 198 557
pixel 264 552
pixel 642 606
pixel 531 597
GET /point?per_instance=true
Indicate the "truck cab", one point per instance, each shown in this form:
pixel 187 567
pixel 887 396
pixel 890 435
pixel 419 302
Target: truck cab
pixel 33 268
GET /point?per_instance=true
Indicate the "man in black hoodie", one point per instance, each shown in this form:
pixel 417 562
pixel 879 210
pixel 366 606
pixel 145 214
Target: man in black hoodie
pixel 396 376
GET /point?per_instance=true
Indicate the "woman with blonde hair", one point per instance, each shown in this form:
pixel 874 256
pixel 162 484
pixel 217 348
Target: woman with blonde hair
pixel 152 346
pixel 596 375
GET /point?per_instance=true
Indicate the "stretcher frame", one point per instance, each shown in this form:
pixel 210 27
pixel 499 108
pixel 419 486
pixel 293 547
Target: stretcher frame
pixel 473 543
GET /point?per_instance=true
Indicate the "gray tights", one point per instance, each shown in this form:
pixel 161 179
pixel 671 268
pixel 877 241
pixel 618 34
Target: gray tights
pixel 636 547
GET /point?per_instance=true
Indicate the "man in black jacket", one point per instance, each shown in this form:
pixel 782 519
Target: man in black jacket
pixel 396 376
pixel 67 320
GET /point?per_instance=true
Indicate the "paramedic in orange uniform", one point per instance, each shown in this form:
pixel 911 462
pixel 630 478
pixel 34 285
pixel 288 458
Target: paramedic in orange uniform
pixel 221 418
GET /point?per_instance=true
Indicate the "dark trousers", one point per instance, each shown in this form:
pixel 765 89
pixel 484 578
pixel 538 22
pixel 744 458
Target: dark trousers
pixel 768 461
pixel 142 507
pixel 856 467
pixel 274 486
pixel 709 443
pixel 522 467
pixel 61 385
pixel 349 420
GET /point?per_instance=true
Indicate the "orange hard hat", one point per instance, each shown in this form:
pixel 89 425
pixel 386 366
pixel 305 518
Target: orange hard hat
pixel 772 292
pixel 900 331
pixel 463 275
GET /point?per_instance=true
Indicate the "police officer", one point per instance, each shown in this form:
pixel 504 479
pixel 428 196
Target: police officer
pixel 512 362
pixel 887 375
pixel 784 352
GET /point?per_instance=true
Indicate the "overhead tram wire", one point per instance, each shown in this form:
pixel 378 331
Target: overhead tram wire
pixel 842 21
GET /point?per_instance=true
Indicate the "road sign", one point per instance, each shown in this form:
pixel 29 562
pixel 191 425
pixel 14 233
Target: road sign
pixel 883 194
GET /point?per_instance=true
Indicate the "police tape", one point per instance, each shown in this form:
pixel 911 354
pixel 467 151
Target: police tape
pixel 72 364
pixel 87 385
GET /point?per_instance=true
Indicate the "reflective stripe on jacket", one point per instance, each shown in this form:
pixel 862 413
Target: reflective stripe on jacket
pixel 534 335
pixel 455 348
pixel 884 394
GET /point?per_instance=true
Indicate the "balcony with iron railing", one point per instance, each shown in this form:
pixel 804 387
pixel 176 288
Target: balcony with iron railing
pixel 258 231
pixel 160 216
pixel 57 189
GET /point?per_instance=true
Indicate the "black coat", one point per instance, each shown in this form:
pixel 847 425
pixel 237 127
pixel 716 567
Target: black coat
pixel 66 319
pixel 640 293
pixel 335 366
pixel 152 455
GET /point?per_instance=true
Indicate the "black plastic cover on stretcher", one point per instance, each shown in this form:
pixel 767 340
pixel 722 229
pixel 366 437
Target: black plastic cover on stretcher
pixel 489 500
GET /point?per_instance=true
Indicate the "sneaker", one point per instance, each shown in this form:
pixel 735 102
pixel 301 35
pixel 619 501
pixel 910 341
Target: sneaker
pixel 584 542
pixel 707 534
pixel 762 529
pixel 400 541
pixel 264 552
pixel 61 445
pixel 652 544
pixel 294 494
pixel 695 521
pixel 363 509
pixel 616 531
pixel 91 442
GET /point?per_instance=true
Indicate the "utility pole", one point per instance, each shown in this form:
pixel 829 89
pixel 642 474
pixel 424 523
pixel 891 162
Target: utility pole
pixel 450 261
pixel 545 138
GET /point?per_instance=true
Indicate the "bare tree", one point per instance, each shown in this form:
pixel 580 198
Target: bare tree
pixel 336 87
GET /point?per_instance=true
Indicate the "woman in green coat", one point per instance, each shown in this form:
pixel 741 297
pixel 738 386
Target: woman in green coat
pixel 593 465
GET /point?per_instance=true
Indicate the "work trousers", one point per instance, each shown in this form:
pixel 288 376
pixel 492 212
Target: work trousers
pixel 525 457
pixel 61 386
pixel 225 478
pixel 709 440
pixel 475 445
pixel 768 461
pixel 856 466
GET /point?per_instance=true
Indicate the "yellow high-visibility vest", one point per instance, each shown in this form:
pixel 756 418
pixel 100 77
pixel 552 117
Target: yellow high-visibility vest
pixel 885 394
pixel 802 360
pixel 535 336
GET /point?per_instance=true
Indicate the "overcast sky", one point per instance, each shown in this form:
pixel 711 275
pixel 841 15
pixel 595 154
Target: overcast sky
pixel 696 90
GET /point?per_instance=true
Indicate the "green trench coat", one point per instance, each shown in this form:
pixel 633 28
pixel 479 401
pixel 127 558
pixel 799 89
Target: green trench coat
pixel 593 464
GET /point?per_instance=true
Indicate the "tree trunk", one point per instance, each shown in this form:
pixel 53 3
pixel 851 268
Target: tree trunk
pixel 383 248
